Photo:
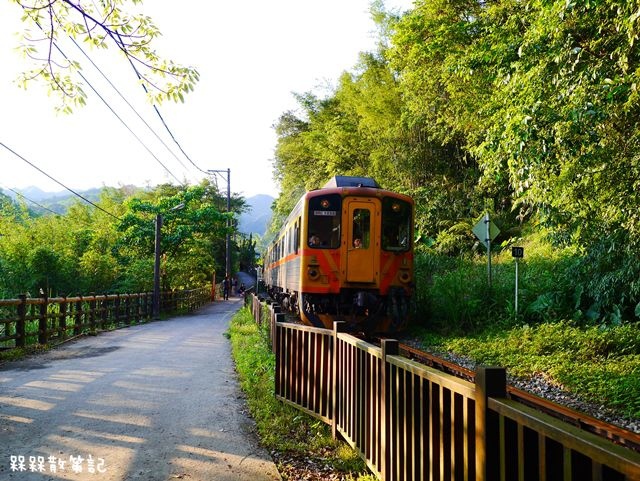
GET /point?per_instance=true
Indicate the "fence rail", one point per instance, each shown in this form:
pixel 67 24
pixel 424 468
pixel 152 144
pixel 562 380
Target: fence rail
pixel 26 320
pixel 413 422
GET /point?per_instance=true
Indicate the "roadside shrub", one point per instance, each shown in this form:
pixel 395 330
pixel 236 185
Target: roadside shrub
pixel 453 294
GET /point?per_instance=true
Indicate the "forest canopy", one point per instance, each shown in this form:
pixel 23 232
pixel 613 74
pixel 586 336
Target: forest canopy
pixel 110 249
pixel 525 108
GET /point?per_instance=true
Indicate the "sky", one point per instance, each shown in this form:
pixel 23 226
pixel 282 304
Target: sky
pixel 251 55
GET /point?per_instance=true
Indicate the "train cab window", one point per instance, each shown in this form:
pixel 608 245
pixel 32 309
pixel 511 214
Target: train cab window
pixel 324 221
pixel 396 225
pixel 361 230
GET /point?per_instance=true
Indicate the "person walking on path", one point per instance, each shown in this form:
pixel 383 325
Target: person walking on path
pixel 226 285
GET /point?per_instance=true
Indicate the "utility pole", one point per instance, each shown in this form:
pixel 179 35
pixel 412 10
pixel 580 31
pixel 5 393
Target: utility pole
pixel 228 237
pixel 156 270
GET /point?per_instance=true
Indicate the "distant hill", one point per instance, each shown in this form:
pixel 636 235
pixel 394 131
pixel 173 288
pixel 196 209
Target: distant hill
pixel 257 218
pixel 58 202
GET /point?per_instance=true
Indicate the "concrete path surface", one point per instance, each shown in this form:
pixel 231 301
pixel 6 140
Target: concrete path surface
pixel 156 402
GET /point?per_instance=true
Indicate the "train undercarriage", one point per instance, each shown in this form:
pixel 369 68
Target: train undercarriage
pixel 362 310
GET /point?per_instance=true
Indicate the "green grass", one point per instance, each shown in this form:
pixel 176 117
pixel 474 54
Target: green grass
pixel 281 427
pixel 601 364
pixel 15 354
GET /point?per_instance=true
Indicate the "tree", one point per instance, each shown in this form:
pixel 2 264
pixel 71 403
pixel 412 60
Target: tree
pixel 101 25
pixel 192 245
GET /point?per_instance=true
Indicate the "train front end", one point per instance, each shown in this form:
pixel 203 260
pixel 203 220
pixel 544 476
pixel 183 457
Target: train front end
pixel 357 263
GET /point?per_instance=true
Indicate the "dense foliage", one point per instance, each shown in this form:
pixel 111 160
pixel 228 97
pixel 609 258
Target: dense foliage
pixel 527 109
pixel 112 249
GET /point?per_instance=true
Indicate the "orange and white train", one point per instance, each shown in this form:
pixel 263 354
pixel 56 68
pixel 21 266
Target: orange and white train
pixel 345 253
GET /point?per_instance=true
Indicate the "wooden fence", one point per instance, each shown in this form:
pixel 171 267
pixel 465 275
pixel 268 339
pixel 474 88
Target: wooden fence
pixel 26 320
pixel 413 422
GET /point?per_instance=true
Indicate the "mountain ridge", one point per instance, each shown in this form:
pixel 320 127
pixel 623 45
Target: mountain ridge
pixel 255 220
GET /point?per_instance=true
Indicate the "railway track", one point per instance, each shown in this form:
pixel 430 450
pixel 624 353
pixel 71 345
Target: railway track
pixel 613 433
pixel 583 421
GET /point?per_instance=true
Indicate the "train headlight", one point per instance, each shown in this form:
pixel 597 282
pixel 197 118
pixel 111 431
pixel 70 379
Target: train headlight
pixel 313 273
pixel 404 277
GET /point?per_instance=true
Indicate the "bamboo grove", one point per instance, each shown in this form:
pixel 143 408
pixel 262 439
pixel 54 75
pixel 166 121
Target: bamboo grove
pixel 526 108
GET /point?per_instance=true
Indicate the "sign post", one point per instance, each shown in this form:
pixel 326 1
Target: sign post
pixel 517 253
pixel 486 231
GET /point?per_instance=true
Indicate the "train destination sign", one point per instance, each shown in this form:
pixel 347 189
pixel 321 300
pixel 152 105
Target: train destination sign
pixel 330 213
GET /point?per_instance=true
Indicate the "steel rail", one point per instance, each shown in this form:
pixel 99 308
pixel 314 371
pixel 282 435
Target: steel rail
pixel 613 433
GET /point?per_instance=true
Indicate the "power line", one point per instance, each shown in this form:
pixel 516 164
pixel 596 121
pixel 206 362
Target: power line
pixel 134 109
pixel 113 111
pixel 162 119
pixel 58 182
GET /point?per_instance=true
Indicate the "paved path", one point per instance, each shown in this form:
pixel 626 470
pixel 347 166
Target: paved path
pixel 154 402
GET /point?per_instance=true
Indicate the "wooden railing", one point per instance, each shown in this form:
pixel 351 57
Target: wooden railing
pixel 42 320
pixel 413 422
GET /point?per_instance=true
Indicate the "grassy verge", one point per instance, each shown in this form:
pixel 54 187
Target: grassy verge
pixel 601 364
pixel 285 431
pixel 17 353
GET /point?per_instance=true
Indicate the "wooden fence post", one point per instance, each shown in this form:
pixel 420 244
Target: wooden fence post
pixel 92 312
pixel 127 309
pixel 334 408
pixel 145 307
pixel 390 347
pixel 77 329
pixel 116 310
pixel 279 317
pixel 276 347
pixel 42 321
pixel 21 341
pixel 275 310
pixel 490 382
pixel 62 323
pixel 104 312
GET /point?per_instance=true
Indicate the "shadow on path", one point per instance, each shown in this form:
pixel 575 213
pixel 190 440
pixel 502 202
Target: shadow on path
pixel 153 402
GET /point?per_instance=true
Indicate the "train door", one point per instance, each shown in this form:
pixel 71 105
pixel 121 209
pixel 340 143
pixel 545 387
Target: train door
pixel 362 238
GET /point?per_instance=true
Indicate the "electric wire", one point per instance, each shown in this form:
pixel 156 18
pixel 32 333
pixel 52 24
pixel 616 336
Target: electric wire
pixel 29 200
pixel 115 113
pixel 133 108
pixel 124 123
pixel 162 118
pixel 58 182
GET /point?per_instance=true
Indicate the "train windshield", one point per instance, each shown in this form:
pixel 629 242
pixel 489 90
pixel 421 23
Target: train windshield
pixel 324 221
pixel 396 225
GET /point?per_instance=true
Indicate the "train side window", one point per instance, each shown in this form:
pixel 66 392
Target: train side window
pixel 324 221
pixel 361 230
pixel 396 225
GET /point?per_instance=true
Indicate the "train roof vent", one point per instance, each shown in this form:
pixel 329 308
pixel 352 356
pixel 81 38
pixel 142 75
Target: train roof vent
pixel 348 181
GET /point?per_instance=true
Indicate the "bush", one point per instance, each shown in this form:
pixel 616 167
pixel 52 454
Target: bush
pixel 453 294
